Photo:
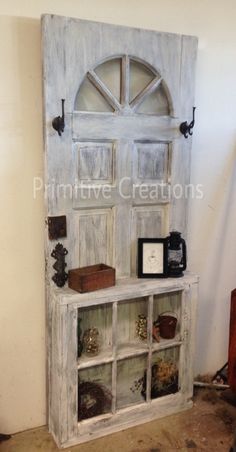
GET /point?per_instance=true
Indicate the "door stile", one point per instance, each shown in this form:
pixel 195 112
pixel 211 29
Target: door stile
pixel 185 359
pixel 72 370
pixel 114 355
pixel 149 363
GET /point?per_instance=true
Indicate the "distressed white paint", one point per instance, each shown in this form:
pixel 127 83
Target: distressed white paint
pixel 151 162
pixel 67 62
pixel 95 163
pixel 114 148
pixel 129 357
pixel 23 396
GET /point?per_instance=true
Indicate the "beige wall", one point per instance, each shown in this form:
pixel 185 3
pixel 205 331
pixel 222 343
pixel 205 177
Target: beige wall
pixel 212 244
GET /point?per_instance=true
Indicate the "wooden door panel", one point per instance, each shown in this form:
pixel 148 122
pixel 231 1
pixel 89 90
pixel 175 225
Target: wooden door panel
pixel 126 92
pixel 147 222
pixel 96 126
pixel 95 163
pixel 86 44
pixel 92 235
pixel 151 163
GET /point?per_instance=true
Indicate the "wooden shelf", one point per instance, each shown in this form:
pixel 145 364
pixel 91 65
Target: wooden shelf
pixel 131 349
pixel 166 343
pixel 120 365
pixel 125 289
pixel 104 357
pixel 127 351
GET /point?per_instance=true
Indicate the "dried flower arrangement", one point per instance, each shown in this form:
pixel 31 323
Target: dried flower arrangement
pixel 164 379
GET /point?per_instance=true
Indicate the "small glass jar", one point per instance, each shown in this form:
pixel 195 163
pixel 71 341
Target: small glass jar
pixel 141 327
pixel 91 342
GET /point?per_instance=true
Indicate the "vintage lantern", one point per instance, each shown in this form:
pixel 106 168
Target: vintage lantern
pixel 177 256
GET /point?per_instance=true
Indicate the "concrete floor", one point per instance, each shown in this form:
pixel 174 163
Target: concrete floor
pixel 208 426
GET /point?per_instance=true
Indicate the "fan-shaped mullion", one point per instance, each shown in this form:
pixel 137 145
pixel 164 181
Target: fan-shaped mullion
pixel 125 77
pixel 104 91
pixel 152 86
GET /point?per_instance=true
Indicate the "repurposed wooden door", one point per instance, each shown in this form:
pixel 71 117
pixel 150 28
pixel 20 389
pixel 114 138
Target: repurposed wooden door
pixel 114 170
pixel 118 171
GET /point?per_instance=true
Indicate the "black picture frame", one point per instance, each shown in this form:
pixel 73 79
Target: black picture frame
pixel 152 258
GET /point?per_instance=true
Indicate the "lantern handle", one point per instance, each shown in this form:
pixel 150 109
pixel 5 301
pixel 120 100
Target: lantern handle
pixel 184 254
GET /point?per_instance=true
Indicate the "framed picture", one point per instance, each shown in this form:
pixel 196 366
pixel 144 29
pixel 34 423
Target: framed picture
pixel 152 258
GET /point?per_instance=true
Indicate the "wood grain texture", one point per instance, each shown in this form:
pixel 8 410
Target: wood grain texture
pixel 100 148
pixel 125 289
pixel 95 163
pixel 124 358
pixel 96 126
pixel 182 148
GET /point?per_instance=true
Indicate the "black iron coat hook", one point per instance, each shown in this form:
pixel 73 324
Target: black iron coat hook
pixel 58 123
pixel 185 128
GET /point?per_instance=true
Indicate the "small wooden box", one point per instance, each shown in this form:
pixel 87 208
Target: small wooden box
pixel 93 277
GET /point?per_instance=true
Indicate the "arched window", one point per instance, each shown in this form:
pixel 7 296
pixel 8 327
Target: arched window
pixel 124 85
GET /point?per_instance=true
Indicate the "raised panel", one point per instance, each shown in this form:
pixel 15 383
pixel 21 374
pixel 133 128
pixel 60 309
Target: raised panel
pixel 95 163
pixel 147 222
pixel 151 162
pixel 93 237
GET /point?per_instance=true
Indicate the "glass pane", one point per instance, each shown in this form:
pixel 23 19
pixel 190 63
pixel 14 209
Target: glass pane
pixel 130 378
pixel 110 73
pixel 94 332
pixel 140 77
pixel 166 317
pixel 94 391
pixel 132 326
pixel 165 373
pixel 89 99
pixel 156 103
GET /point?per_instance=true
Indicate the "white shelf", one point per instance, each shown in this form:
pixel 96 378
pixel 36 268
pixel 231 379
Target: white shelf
pixel 124 351
pixel 125 289
pixel 131 349
pixel 124 363
pixel 104 357
pixel 166 343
